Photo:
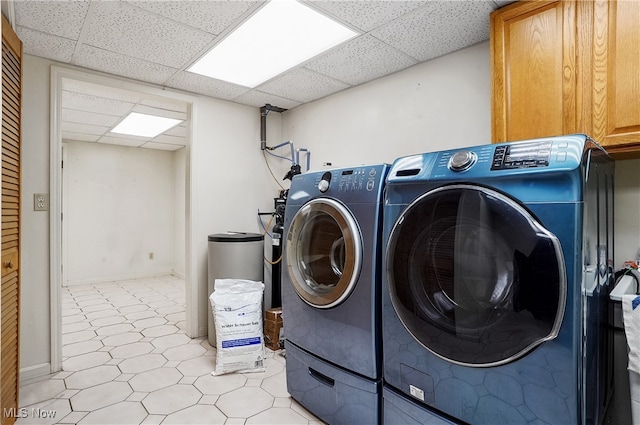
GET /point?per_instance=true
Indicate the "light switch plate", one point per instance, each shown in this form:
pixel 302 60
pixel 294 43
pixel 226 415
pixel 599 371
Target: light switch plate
pixel 41 202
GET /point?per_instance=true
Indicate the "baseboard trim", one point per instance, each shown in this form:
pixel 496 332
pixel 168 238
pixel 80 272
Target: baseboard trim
pixel 36 371
pixel 119 278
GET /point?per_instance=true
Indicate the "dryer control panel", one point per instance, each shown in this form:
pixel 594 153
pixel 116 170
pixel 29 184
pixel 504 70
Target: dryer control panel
pixel 350 180
pixel 361 184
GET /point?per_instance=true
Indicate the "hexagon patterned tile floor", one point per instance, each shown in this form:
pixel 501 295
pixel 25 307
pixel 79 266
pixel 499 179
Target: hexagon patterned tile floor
pixel 127 360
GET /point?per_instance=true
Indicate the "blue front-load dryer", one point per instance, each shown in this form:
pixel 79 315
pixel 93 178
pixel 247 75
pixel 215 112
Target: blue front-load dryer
pixel 496 271
pixel 331 292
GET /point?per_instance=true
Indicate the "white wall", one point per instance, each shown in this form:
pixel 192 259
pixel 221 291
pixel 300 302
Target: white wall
pixel 627 208
pixel 179 225
pixel 232 179
pixel 119 208
pixel 35 338
pixel 435 105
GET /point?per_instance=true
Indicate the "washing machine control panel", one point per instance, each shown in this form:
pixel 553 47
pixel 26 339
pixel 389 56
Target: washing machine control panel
pixel 462 160
pixel 474 160
pixel 552 154
pixel 522 155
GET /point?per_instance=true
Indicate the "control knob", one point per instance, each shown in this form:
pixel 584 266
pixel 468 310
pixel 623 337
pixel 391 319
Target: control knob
pixel 462 160
pixel 323 186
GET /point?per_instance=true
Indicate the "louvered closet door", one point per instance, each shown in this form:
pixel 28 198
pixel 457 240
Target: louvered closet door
pixel 10 294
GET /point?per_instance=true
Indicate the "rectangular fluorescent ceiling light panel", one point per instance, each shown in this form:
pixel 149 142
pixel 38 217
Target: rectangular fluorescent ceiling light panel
pixel 144 125
pixel 281 35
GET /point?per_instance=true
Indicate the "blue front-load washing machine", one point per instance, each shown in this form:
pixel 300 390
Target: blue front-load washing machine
pixel 496 273
pixel 331 292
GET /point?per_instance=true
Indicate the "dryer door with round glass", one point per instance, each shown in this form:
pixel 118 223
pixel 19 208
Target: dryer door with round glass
pixel 474 277
pixel 324 252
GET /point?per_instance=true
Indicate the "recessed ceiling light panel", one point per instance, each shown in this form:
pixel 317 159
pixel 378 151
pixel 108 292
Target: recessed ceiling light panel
pixel 144 125
pixel 281 35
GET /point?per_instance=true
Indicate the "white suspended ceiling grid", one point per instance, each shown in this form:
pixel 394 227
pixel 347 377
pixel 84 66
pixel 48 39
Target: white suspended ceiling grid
pixel 155 41
pixel 90 111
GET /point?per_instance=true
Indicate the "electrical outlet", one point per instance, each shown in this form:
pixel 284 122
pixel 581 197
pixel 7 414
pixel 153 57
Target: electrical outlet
pixel 41 202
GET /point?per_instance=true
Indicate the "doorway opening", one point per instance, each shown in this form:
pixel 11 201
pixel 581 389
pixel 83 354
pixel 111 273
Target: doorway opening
pixel 119 205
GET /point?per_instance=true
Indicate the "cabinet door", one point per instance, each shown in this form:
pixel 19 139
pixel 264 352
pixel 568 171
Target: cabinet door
pixel 616 80
pixel 533 56
pixel 10 290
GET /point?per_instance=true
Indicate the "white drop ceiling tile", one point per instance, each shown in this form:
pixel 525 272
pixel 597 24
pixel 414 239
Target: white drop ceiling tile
pixel 61 18
pixel 166 104
pixel 92 118
pixel 161 146
pixel 149 110
pixel 438 28
pixel 210 16
pixel 83 102
pixel 121 28
pixel 258 99
pixel 185 80
pixel 362 59
pixel 177 131
pixel 122 141
pixel 91 89
pixel 66 135
pixel 124 66
pixel 302 85
pixel 73 127
pixel 46 46
pixel 140 139
pixel 170 140
pixel 367 15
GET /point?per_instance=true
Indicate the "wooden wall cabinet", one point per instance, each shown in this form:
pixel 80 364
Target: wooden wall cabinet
pixel 616 76
pixel 533 70
pixel 562 67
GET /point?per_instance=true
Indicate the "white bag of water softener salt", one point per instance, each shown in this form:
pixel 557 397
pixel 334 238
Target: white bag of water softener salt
pixel 237 313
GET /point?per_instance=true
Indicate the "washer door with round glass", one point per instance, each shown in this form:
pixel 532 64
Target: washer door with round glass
pixel 324 253
pixel 474 277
